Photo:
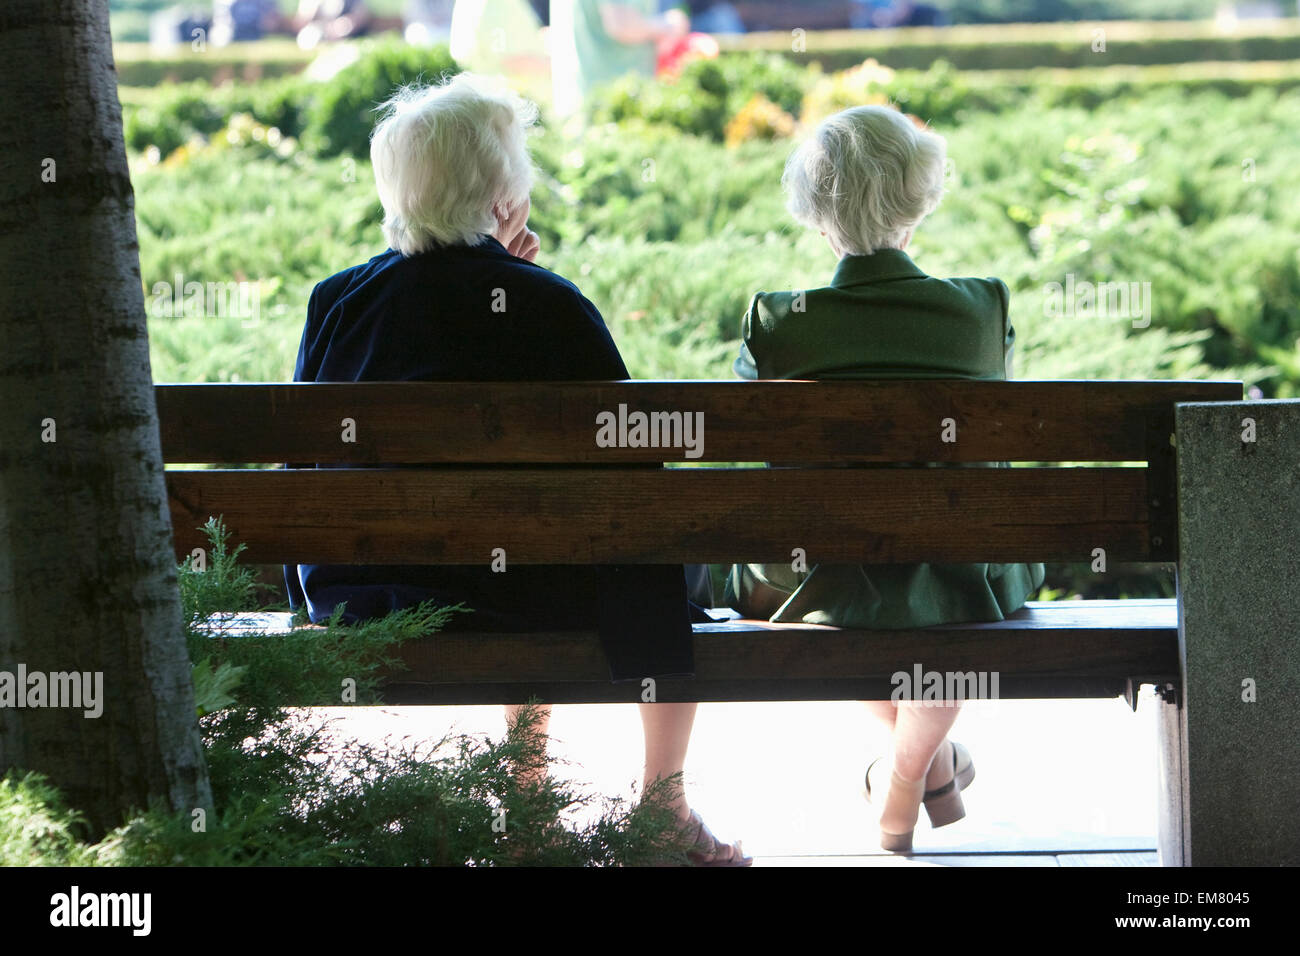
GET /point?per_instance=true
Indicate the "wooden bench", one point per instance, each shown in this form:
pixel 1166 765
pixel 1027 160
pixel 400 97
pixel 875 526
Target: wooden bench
pixel 1102 476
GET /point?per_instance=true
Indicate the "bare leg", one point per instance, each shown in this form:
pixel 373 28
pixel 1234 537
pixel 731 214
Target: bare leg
pixel 667 730
pixel 919 731
pixel 885 711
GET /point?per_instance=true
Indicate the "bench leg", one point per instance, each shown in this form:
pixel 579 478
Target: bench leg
pixel 1172 735
pixel 1239 642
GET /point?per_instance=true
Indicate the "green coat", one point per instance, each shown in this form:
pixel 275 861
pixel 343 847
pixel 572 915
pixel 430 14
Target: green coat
pixel 881 317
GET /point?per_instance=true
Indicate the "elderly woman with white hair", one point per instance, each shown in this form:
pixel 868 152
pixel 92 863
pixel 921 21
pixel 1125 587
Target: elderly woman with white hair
pixel 865 179
pixel 457 296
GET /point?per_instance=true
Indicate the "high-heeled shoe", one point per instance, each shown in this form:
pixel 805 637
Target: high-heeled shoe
pixel 901 810
pixel 943 805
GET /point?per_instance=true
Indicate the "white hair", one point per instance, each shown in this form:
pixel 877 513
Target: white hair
pixel 446 156
pixel 866 177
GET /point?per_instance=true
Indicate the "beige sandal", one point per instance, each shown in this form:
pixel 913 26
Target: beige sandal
pixel 943 805
pixel 901 809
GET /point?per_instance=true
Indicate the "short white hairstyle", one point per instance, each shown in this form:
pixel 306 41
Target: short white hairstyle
pixel 866 177
pixel 446 156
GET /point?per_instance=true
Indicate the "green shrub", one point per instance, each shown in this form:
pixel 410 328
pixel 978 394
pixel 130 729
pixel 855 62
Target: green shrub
pixel 760 118
pixel 706 95
pixel 866 84
pixel 36 827
pixel 632 180
pixel 281 103
pixel 342 111
pixel 772 77
pixel 288 791
pixel 172 117
pixel 696 102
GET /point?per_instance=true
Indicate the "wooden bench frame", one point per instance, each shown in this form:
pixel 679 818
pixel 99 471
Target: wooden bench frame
pixel 479 474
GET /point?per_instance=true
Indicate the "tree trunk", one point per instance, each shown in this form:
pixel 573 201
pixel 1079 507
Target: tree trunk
pixel 87 576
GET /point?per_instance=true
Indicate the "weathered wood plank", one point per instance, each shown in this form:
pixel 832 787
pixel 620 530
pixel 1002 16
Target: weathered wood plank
pixel 555 422
pixel 592 516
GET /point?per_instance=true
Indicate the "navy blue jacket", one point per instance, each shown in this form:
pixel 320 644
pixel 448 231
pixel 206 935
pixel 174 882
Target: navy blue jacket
pixel 430 317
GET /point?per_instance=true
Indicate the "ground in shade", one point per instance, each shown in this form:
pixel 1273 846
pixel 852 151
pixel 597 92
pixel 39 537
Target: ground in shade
pixel 1059 783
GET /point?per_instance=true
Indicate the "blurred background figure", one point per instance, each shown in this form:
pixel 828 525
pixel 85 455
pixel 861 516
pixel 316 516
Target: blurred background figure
pixel 674 52
pixel 319 20
pixel 427 22
pixel 499 36
pixel 882 14
pixel 243 20
pixel 713 16
pixel 183 23
pixel 594 42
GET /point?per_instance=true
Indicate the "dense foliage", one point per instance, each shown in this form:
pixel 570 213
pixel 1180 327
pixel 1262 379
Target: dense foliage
pixel 287 791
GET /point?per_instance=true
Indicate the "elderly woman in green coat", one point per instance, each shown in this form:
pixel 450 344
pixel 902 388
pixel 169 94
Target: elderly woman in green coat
pixel 865 179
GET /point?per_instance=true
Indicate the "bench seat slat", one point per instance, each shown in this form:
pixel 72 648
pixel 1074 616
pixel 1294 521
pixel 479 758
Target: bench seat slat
pixel 555 422
pixel 1047 649
pixel 638 516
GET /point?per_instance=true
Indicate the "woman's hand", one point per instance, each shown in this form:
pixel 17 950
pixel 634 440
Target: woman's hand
pixel 526 245
pixel 513 232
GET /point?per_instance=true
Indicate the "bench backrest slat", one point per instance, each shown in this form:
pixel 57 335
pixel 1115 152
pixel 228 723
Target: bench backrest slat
pixel 538 423
pixel 590 516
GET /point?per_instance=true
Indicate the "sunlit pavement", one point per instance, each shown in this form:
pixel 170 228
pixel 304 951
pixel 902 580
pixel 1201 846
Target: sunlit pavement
pixel 1066 782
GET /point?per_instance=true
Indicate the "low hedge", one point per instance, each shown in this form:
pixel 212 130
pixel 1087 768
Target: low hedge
pixel 709 94
pixel 1024 46
pixel 139 65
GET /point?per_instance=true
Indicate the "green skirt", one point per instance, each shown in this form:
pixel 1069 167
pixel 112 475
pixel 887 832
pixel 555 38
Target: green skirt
pixel 883 596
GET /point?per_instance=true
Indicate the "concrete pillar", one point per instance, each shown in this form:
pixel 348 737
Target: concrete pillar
pixel 1230 743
